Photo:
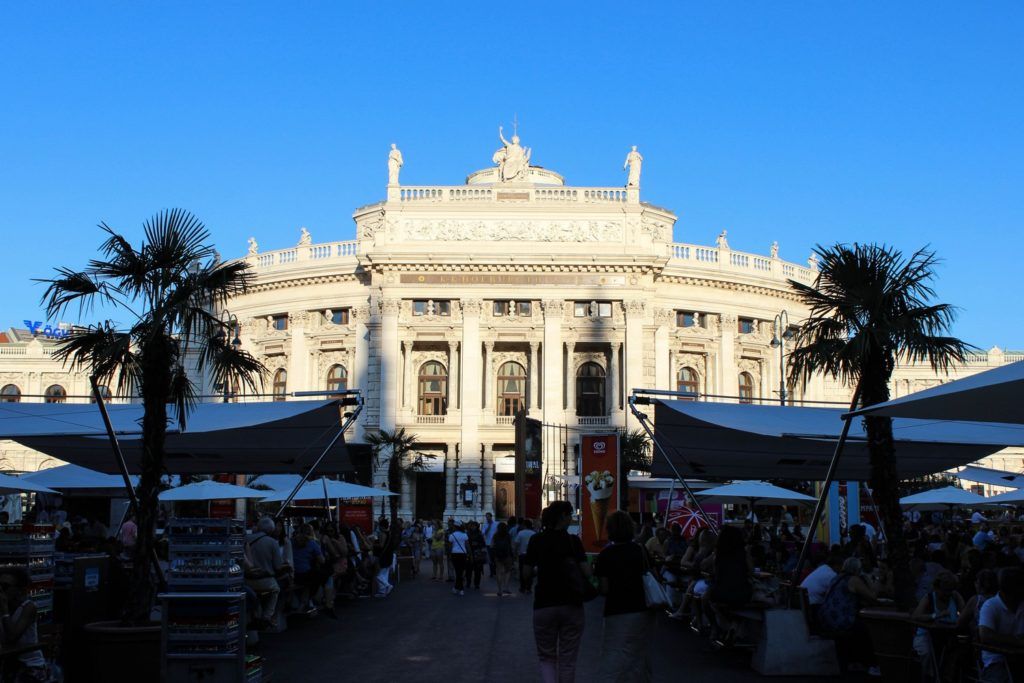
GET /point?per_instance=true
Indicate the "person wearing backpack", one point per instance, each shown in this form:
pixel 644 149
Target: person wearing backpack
pixel 504 558
pixel 837 616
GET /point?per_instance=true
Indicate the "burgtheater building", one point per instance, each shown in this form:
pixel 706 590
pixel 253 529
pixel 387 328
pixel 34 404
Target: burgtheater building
pixel 457 305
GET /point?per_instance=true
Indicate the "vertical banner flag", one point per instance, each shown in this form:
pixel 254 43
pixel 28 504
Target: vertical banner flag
pixel 599 478
pixel 528 466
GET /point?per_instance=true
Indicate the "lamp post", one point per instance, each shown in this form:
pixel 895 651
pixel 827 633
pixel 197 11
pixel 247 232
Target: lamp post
pixel 232 324
pixel 780 335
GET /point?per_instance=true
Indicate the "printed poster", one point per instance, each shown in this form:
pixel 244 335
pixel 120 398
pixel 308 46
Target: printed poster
pixel 599 474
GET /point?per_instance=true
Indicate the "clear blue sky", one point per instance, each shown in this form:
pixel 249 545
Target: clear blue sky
pixel 796 122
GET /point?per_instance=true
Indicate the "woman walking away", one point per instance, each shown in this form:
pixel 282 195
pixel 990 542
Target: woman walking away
pixel 437 552
pixel 459 542
pixel 561 567
pixel 504 558
pixel 628 624
pixel 477 556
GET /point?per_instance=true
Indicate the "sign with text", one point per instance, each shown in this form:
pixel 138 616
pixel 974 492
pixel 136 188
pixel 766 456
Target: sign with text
pixel 599 479
pixel 528 466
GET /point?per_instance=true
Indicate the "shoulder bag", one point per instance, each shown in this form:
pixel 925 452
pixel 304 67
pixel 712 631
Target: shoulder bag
pixel 654 591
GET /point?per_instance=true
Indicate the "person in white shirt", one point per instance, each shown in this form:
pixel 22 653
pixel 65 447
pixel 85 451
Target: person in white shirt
pixel 1001 622
pixel 977 517
pixel 521 543
pixel 459 542
pixel 820 580
pixel 487 529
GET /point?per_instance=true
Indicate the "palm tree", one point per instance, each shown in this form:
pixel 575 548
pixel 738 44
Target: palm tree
pixel 169 288
pixel 634 454
pixel 403 459
pixel 869 308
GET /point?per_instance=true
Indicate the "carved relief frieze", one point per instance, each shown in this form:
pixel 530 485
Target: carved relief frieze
pixel 421 356
pixel 659 231
pixel 471 306
pixel 581 357
pixel 499 358
pixel 370 224
pixel 327 359
pixel 390 306
pixel 460 230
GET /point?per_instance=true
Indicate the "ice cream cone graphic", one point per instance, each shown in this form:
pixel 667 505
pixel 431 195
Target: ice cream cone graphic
pixel 600 485
pixel 599 511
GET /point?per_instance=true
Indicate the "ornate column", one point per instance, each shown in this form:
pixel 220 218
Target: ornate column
pixel 358 371
pixel 389 363
pixel 634 360
pixel 487 479
pixel 407 393
pixel 614 388
pixel 471 367
pixel 553 373
pixel 570 379
pixel 533 376
pixel 450 472
pixel 728 375
pixel 298 355
pixel 488 376
pixel 453 375
pixel 662 360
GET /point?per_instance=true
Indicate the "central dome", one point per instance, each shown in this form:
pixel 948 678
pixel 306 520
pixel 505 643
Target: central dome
pixel 535 175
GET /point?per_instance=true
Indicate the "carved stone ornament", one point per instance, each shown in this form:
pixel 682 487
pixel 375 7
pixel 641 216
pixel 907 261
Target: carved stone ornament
pixel 390 306
pixel 328 359
pixel 360 314
pixel 419 358
pixel 635 307
pixel 553 307
pixel 580 358
pixel 660 231
pixel 501 357
pixel 369 225
pixel 298 318
pixel 471 306
pixel 751 366
pixel 664 316
pixel 456 230
pixel 696 361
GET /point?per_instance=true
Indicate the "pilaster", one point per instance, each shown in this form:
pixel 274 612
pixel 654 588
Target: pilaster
pixel 533 377
pixel 554 375
pixel 634 350
pixel 471 368
pixel 389 363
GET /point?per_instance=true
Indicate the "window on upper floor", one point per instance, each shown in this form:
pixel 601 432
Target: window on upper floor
pixel 433 389
pixel 690 319
pixel 55 393
pixel 581 309
pixel 511 388
pixel 746 387
pixel 431 307
pixel 337 378
pixel 595 309
pixel 10 394
pixel 279 388
pixel 511 308
pixel 279 322
pixel 104 394
pixel 746 326
pixel 686 381
pixel 340 316
pixel 590 390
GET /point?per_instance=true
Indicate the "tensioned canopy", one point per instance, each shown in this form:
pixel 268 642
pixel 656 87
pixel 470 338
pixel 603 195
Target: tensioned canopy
pixel 986 475
pixel 77 479
pixel 9 484
pixel 1008 498
pixel 210 490
pixel 990 396
pixel 753 492
pixel 736 441
pixel 943 498
pixel 281 436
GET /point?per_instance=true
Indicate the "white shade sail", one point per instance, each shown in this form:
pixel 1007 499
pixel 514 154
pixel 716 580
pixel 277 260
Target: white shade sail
pixel 314 490
pixel 9 484
pixel 990 396
pixel 744 442
pixel 1009 498
pixel 943 498
pixel 76 478
pixel 754 493
pixel 209 490
pixel 986 475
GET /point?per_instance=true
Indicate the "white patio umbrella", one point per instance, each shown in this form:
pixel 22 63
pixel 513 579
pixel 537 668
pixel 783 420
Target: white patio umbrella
pixel 75 478
pixel 753 493
pixel 991 396
pixel 1010 498
pixel 210 490
pixel 944 498
pixel 9 484
pixel 314 490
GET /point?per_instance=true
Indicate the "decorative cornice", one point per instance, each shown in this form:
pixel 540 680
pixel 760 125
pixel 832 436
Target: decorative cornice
pixel 471 306
pixel 390 306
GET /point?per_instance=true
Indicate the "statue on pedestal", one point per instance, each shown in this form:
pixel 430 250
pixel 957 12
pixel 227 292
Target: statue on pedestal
pixel 395 162
pixel 721 242
pixel 513 160
pixel 254 247
pixel 774 250
pixel 305 238
pixel 633 161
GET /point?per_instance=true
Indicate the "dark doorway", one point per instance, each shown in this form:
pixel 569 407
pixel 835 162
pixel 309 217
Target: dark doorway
pixel 430 495
pixel 504 496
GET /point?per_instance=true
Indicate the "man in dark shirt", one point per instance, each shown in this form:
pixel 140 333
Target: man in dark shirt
pixel 560 564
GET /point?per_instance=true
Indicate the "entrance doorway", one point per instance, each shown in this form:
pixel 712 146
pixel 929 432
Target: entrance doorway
pixel 430 495
pixel 504 496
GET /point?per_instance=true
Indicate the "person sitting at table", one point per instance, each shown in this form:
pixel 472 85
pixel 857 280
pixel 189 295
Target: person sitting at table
pixel 730 585
pixel 839 617
pixel 1001 623
pixel 696 555
pixel 655 545
pixel 941 606
pixel 818 581
pixel 18 618
pixel 986 585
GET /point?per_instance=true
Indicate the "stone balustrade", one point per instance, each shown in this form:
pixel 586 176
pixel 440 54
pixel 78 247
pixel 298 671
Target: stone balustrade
pixel 729 261
pixel 311 252
pixel 503 194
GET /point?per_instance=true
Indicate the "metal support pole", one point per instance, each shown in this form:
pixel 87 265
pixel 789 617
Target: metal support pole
pixel 309 471
pixel 644 422
pixel 819 507
pixel 668 505
pixel 115 445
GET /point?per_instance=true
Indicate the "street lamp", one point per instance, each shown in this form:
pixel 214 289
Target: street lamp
pixel 780 335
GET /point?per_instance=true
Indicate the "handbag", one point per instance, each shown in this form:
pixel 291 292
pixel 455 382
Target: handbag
pixel 654 591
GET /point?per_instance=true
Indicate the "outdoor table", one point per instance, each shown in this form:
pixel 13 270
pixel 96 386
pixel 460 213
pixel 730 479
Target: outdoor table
pixel 941 633
pixel 1014 655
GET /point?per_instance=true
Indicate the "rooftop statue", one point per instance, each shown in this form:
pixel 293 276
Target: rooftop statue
pixel 395 162
pixel 633 160
pixel 721 242
pixel 254 247
pixel 305 238
pixel 513 160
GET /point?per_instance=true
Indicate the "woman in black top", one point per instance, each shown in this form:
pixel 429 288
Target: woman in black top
pixel 627 621
pixel 561 566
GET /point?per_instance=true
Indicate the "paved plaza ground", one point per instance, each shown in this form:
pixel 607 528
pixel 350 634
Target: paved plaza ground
pixel 424 633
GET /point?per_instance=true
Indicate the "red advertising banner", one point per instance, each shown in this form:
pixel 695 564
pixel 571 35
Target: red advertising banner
pixel 683 512
pixel 599 478
pixel 357 513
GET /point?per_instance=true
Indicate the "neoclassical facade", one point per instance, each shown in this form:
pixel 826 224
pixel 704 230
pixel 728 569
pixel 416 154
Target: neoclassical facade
pixel 457 305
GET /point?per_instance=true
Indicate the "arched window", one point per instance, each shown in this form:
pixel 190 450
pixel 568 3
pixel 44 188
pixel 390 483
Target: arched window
pixel 433 390
pixel 10 394
pixel 590 390
pixel 746 388
pixel 280 385
pixel 687 381
pixel 104 392
pixel 337 378
pixel 55 393
pixel 511 388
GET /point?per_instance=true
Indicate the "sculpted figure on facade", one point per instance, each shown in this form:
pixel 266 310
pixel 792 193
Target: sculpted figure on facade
pixel 305 239
pixel 721 242
pixel 774 251
pixel 395 163
pixel 254 247
pixel 633 162
pixel 812 261
pixel 513 159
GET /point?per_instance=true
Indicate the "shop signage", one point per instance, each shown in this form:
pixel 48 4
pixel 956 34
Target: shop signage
pixel 599 479
pixel 60 331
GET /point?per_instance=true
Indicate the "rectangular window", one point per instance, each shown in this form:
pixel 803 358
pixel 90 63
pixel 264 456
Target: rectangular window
pixel 747 326
pixel 524 308
pixel 419 307
pixel 690 319
pixel 442 308
pixel 279 322
pixel 500 309
pixel 581 309
pixel 604 309
pixel 340 317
